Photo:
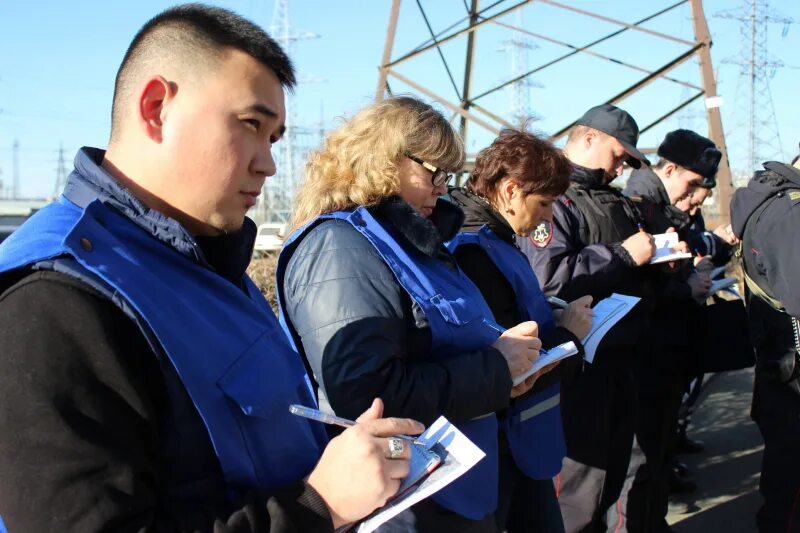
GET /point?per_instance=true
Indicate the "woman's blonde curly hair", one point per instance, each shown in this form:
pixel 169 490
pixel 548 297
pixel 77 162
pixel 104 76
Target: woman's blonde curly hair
pixel 358 163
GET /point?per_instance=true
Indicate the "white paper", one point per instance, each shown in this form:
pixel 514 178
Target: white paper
pixel 546 357
pixel 719 284
pixel 458 454
pixel 604 315
pixel 664 243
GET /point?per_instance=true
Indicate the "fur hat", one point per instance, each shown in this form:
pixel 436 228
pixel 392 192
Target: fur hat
pixel 694 152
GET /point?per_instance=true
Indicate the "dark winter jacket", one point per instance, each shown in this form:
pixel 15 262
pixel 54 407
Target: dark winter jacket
pixel 97 431
pixel 363 336
pixel 572 261
pixel 570 264
pixel 657 209
pixel 673 328
pixel 771 258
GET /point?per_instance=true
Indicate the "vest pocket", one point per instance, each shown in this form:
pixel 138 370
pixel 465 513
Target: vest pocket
pixel 458 311
pixel 264 379
pixel 272 446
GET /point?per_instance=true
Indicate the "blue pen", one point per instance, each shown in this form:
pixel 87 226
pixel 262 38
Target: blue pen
pixel 325 418
pixel 494 325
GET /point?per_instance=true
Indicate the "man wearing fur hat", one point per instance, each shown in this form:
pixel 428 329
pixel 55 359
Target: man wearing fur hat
pixel 686 160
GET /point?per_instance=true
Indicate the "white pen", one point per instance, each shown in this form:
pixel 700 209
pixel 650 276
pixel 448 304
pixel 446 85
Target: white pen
pixel 557 302
pixel 326 418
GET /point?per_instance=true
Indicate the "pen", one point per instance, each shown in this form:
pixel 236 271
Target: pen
pixel 557 302
pixel 325 418
pixel 494 325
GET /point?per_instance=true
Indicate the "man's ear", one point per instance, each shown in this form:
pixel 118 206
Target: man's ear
pixel 588 138
pixel 670 169
pixel 154 99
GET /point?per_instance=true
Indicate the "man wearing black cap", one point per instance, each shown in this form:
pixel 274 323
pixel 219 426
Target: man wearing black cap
pixel 594 246
pixel 662 375
pixel 766 217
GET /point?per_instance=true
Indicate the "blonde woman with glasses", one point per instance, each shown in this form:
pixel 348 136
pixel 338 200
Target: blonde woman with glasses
pixel 378 307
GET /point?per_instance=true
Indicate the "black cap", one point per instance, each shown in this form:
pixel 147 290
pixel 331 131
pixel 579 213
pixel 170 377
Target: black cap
pixel 694 152
pixel 620 125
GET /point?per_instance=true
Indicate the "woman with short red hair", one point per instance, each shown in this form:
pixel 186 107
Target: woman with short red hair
pixel 510 194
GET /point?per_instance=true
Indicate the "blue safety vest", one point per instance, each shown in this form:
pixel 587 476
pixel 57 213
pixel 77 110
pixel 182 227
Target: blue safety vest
pixel 455 310
pixel 533 422
pixel 226 346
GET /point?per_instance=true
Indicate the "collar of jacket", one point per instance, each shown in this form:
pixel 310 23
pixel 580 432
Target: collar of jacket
pixel 479 212
pixel 89 181
pixel 646 183
pixel 591 178
pixel 428 235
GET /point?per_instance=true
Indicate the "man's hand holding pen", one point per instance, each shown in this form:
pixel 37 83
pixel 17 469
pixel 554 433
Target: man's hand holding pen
pixel 363 467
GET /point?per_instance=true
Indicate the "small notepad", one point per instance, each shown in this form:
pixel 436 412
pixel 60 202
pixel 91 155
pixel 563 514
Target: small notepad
pixel 664 243
pixel 457 454
pixel 547 357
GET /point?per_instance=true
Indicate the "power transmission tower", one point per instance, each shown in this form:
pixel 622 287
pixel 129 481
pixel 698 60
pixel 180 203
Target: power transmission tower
pixel 757 68
pixel 519 97
pixel 15 170
pixel 275 203
pixel 61 172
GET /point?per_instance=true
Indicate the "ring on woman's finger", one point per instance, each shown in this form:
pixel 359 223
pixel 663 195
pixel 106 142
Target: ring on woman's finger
pixel 396 447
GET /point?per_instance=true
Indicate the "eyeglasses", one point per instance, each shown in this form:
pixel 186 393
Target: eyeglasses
pixel 438 176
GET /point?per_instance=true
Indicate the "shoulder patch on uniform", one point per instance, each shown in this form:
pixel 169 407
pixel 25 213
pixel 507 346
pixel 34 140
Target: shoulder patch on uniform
pixel 542 234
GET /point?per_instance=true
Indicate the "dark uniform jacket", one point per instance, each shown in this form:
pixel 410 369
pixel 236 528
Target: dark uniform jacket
pixel 645 187
pixel 675 314
pixel 581 253
pixel 364 337
pixel 95 433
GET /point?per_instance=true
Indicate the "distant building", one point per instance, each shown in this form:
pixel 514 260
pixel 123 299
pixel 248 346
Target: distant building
pixel 14 212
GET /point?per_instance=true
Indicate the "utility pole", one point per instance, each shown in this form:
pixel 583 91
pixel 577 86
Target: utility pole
pixel 756 68
pixel 275 203
pixel 518 47
pixel 715 131
pixel 61 172
pixel 15 170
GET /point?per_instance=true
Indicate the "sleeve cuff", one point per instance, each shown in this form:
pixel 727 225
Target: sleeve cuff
pixel 304 506
pixel 619 251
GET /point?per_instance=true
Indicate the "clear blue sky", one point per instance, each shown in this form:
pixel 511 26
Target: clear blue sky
pixel 58 60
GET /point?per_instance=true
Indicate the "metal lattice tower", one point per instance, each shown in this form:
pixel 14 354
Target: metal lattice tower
pixel 277 196
pixel 479 108
pixel 61 172
pixel 519 92
pixel 756 70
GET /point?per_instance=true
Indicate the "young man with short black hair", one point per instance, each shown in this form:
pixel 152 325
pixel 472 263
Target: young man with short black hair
pixel 144 381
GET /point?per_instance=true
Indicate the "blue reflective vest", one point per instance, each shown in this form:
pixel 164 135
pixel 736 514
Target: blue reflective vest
pixel 533 422
pixel 226 346
pixel 455 310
